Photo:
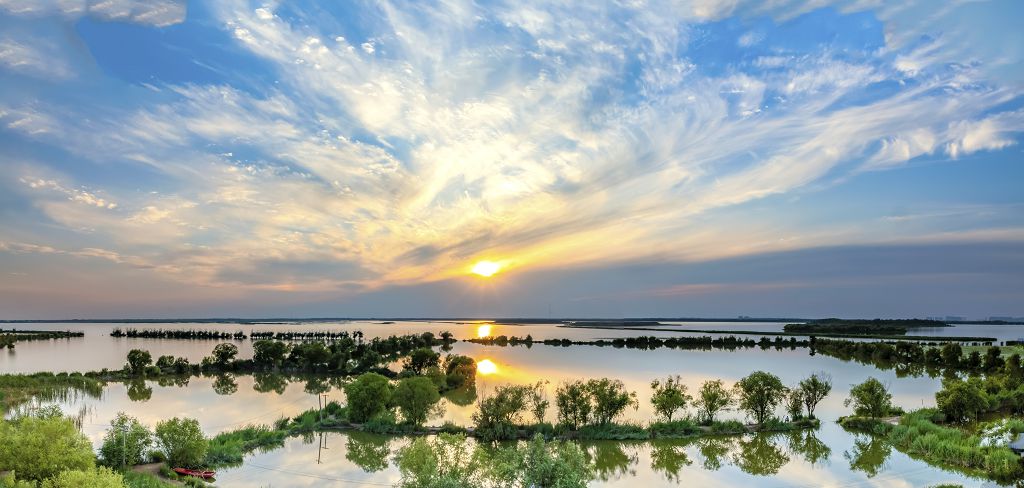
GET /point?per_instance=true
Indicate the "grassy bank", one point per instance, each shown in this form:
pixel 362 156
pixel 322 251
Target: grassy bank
pixel 803 334
pixel 17 389
pixel 919 435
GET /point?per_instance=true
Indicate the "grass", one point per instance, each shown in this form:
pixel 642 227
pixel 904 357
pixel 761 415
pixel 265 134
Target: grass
pixel 17 389
pixel 918 435
pixel 229 448
pixel 1005 351
pixel 133 479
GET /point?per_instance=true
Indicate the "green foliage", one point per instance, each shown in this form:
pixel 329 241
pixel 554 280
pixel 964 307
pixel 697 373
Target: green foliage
pixel 421 359
pixel 41 446
pixel 814 389
pixel 537 401
pixel 182 441
pixel 951 353
pixel 229 448
pixel 460 371
pixel 610 399
pixel 675 428
pixel 445 461
pixel 133 479
pixel 669 397
pixel 572 400
pixel 795 403
pixel 758 394
pixel 125 443
pixel 497 416
pixel 415 398
pixel 138 360
pixel 870 399
pixel 368 396
pixel 368 451
pixel 268 352
pixel 962 400
pixel 612 431
pixel 92 478
pixel 541 464
pixel 224 353
pixel 712 398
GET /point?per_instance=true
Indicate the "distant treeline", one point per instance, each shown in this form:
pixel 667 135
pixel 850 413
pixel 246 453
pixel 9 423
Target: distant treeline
pixel 651 342
pixel 204 334
pixel 9 337
pixel 876 326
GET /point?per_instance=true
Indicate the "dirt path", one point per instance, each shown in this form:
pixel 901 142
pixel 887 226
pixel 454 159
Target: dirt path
pixel 154 470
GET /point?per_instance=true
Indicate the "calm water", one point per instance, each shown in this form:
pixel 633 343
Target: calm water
pixel 227 402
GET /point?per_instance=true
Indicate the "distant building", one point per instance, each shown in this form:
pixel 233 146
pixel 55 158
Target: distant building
pixel 937 319
pixel 954 318
pixel 1000 318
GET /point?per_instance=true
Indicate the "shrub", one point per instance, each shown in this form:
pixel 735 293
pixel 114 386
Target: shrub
pixel 459 370
pixel 138 360
pixel 814 389
pixel 497 416
pixel 962 400
pixel 415 397
pixel 125 443
pixel 870 398
pixel 668 397
pixel 93 478
pixel 610 399
pixel 712 398
pixel 759 393
pixel 182 441
pixel 421 359
pixel 41 446
pixel 368 396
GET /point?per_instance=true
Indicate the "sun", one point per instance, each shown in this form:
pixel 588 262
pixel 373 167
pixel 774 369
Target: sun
pixel 486 367
pixel 483 330
pixel 486 268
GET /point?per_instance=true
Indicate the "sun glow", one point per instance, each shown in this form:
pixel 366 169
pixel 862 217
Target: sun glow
pixel 486 367
pixel 483 330
pixel 486 268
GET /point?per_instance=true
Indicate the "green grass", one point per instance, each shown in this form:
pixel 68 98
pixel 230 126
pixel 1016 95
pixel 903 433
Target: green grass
pixel 134 479
pixel 918 435
pixel 1006 351
pixel 229 448
pixel 16 389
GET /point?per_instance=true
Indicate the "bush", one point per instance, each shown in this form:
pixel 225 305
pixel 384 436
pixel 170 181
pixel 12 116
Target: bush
pixel 138 360
pixel 610 399
pixel 497 416
pixel 229 448
pixel 368 396
pixel 668 397
pixel 870 399
pixel 182 441
pixel 674 428
pixel 415 398
pixel 962 400
pixel 420 360
pixel 125 443
pixel 459 371
pixel 712 398
pixel 41 446
pixel 573 403
pixel 758 394
pixel 93 478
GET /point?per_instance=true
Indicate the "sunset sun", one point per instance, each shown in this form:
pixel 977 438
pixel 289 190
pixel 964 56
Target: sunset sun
pixel 486 268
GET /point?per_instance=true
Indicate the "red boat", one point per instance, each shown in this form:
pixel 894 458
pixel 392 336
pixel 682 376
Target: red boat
pixel 195 472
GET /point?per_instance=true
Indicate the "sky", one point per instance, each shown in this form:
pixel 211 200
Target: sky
pixel 629 158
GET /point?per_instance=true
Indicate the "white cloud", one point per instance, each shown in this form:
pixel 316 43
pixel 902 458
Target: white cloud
pixel 159 13
pixel 39 59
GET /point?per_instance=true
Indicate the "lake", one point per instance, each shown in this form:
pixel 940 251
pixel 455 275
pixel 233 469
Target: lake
pixel 228 402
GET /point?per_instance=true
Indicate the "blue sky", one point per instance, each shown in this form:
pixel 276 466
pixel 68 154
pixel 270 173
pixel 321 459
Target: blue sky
pixel 676 158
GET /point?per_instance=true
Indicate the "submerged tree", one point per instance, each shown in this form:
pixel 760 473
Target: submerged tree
pixel 870 399
pixel 814 389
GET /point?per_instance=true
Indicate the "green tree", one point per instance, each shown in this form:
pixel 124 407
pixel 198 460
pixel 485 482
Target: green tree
pixel 367 396
pixel 445 461
pixel 165 362
pixel 224 353
pixel 541 464
pixel 814 389
pixel 572 400
pixel 125 443
pixel 138 360
pixel 182 442
pixel 712 398
pixel 993 359
pixel 421 359
pixel 962 400
pixel 415 397
pixel 610 399
pixel 1013 373
pixel 537 400
pixel 41 446
pixel 92 478
pixel 870 398
pixel 459 370
pixel 669 397
pixel 758 394
pixel 795 403
pixel 951 353
pixel 268 352
pixel 497 416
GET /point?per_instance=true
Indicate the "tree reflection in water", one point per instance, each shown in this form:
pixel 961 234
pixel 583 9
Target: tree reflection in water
pixel 368 451
pixel 224 384
pixel 868 454
pixel 139 391
pixel 714 450
pixel 609 460
pixel 462 397
pixel 316 386
pixel 269 382
pixel 759 455
pixel 669 457
pixel 180 381
pixel 808 446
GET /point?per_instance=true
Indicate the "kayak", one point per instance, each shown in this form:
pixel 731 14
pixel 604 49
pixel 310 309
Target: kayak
pixel 195 472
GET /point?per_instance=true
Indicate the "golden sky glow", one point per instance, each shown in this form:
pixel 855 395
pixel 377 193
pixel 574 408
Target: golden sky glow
pixel 486 268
